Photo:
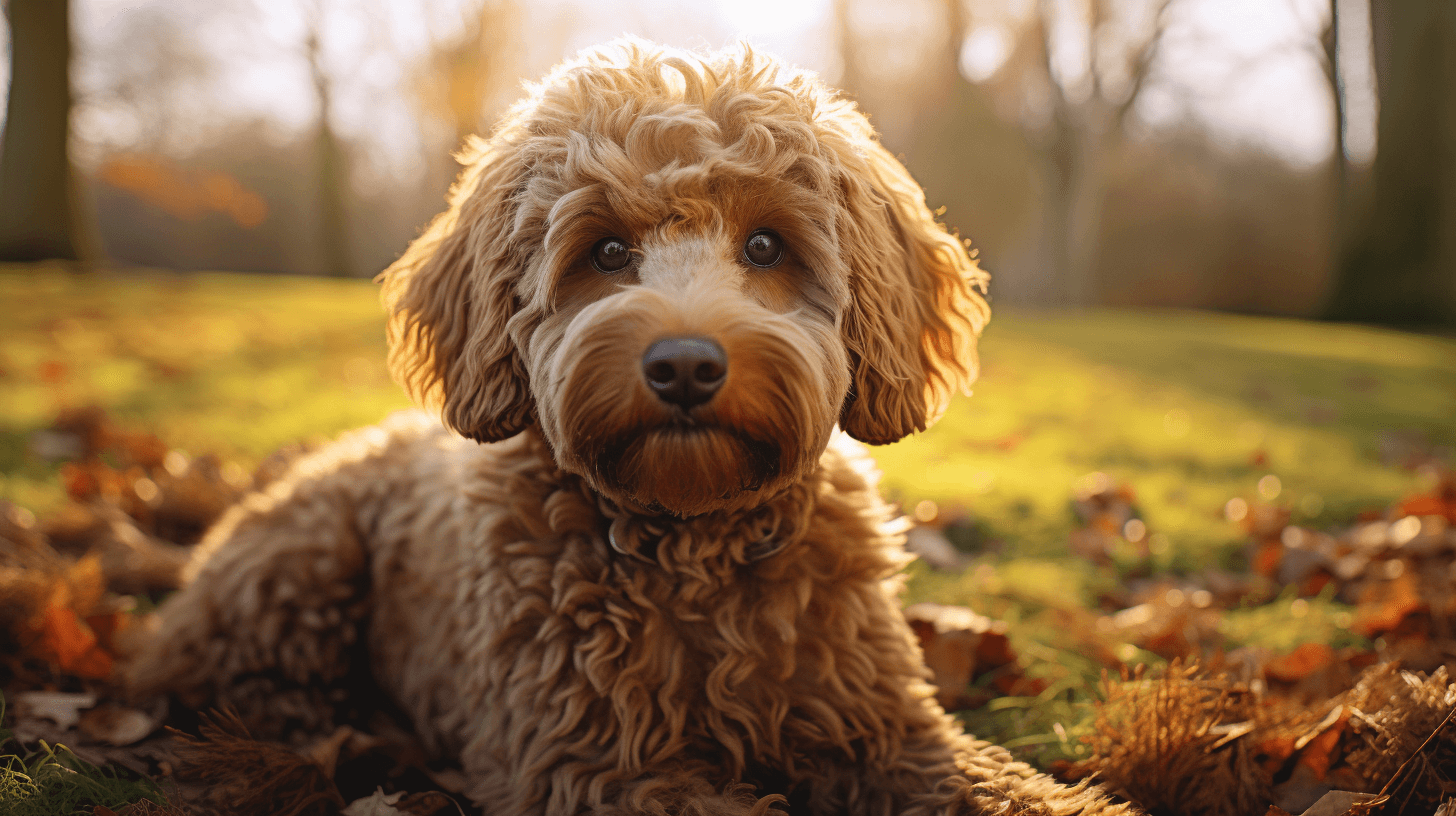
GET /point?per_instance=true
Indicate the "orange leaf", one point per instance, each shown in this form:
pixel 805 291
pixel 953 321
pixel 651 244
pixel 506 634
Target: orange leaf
pixel 80 482
pixel 73 645
pixel 1422 505
pixel 1300 663
pixel 65 635
pixel 106 626
pixel 1273 751
pixel 1318 754
pixel 1384 606
pixel 1315 582
pixel 1266 560
pixel 52 372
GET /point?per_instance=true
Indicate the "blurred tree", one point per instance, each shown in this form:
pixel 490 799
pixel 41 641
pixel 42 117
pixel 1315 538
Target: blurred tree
pixel 1076 70
pixel 902 64
pixel 465 74
pixel 38 202
pixel 330 162
pixel 850 80
pixel 1329 60
pixel 1399 264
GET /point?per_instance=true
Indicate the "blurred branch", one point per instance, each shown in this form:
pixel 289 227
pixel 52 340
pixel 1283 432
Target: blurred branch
pixel 1147 55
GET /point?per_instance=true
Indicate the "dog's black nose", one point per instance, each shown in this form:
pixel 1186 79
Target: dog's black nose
pixel 685 371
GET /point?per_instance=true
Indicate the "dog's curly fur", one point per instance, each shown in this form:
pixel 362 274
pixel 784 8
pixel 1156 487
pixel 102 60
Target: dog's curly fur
pixel 621 605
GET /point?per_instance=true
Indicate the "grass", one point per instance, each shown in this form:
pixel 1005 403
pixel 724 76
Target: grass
pixel 1189 409
pixel 52 781
pixel 232 364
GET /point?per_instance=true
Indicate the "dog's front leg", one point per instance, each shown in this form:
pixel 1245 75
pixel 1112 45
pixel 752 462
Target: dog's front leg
pixel 941 772
pixel 683 793
pixel 573 789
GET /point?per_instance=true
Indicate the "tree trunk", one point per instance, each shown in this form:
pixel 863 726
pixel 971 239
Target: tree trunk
pixel 333 213
pixel 37 195
pixel 332 172
pixel 1400 265
pixel 1071 222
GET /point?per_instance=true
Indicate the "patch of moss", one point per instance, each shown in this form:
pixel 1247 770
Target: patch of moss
pixel 50 780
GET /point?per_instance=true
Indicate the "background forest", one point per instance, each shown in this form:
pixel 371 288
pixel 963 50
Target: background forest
pixel 1196 153
pixel 1194 534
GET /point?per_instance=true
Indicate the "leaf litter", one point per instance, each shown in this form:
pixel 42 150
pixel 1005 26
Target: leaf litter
pixel 1357 721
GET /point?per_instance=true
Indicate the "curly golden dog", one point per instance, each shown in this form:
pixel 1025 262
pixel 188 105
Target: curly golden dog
pixel 667 291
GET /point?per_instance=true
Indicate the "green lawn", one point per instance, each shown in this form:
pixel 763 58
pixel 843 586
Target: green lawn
pixel 232 364
pixel 1188 408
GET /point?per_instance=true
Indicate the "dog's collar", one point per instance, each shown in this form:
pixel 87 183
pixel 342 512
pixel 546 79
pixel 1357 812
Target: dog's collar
pixel 648 533
pixel 745 537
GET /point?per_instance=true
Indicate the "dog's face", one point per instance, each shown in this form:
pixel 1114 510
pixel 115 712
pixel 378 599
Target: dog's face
pixel 686 270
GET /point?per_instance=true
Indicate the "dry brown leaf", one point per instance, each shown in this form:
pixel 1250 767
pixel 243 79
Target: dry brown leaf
pixel 1337 803
pixel 1384 605
pixel 1317 750
pixel 378 803
pixel 960 645
pixel 60 707
pixel 426 803
pixel 118 725
pixel 1300 663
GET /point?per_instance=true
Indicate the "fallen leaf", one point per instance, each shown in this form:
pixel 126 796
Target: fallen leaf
pixel 378 803
pixel 1336 803
pixel 73 645
pixel 61 708
pixel 426 803
pixel 1300 663
pixel 118 725
pixel 1385 604
pixel 1318 752
pixel 325 752
pixel 960 645
pixel 1267 558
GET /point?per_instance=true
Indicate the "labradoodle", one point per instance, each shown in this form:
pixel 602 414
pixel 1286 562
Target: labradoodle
pixel 642 566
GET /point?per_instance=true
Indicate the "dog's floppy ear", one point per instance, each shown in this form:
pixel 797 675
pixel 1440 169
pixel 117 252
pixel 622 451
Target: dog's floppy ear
pixel 450 297
pixel 916 306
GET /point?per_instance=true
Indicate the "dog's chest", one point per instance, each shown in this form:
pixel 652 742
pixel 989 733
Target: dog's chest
pixel 543 645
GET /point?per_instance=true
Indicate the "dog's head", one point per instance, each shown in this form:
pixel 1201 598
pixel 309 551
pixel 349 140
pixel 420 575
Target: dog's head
pixel 686 270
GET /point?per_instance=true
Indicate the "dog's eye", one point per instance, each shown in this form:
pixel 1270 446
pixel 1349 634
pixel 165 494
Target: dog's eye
pixel 611 255
pixel 764 249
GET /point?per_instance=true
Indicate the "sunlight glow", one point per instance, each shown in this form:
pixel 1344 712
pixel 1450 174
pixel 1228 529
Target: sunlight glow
pixel 1243 70
pixel 757 18
pixel 984 52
